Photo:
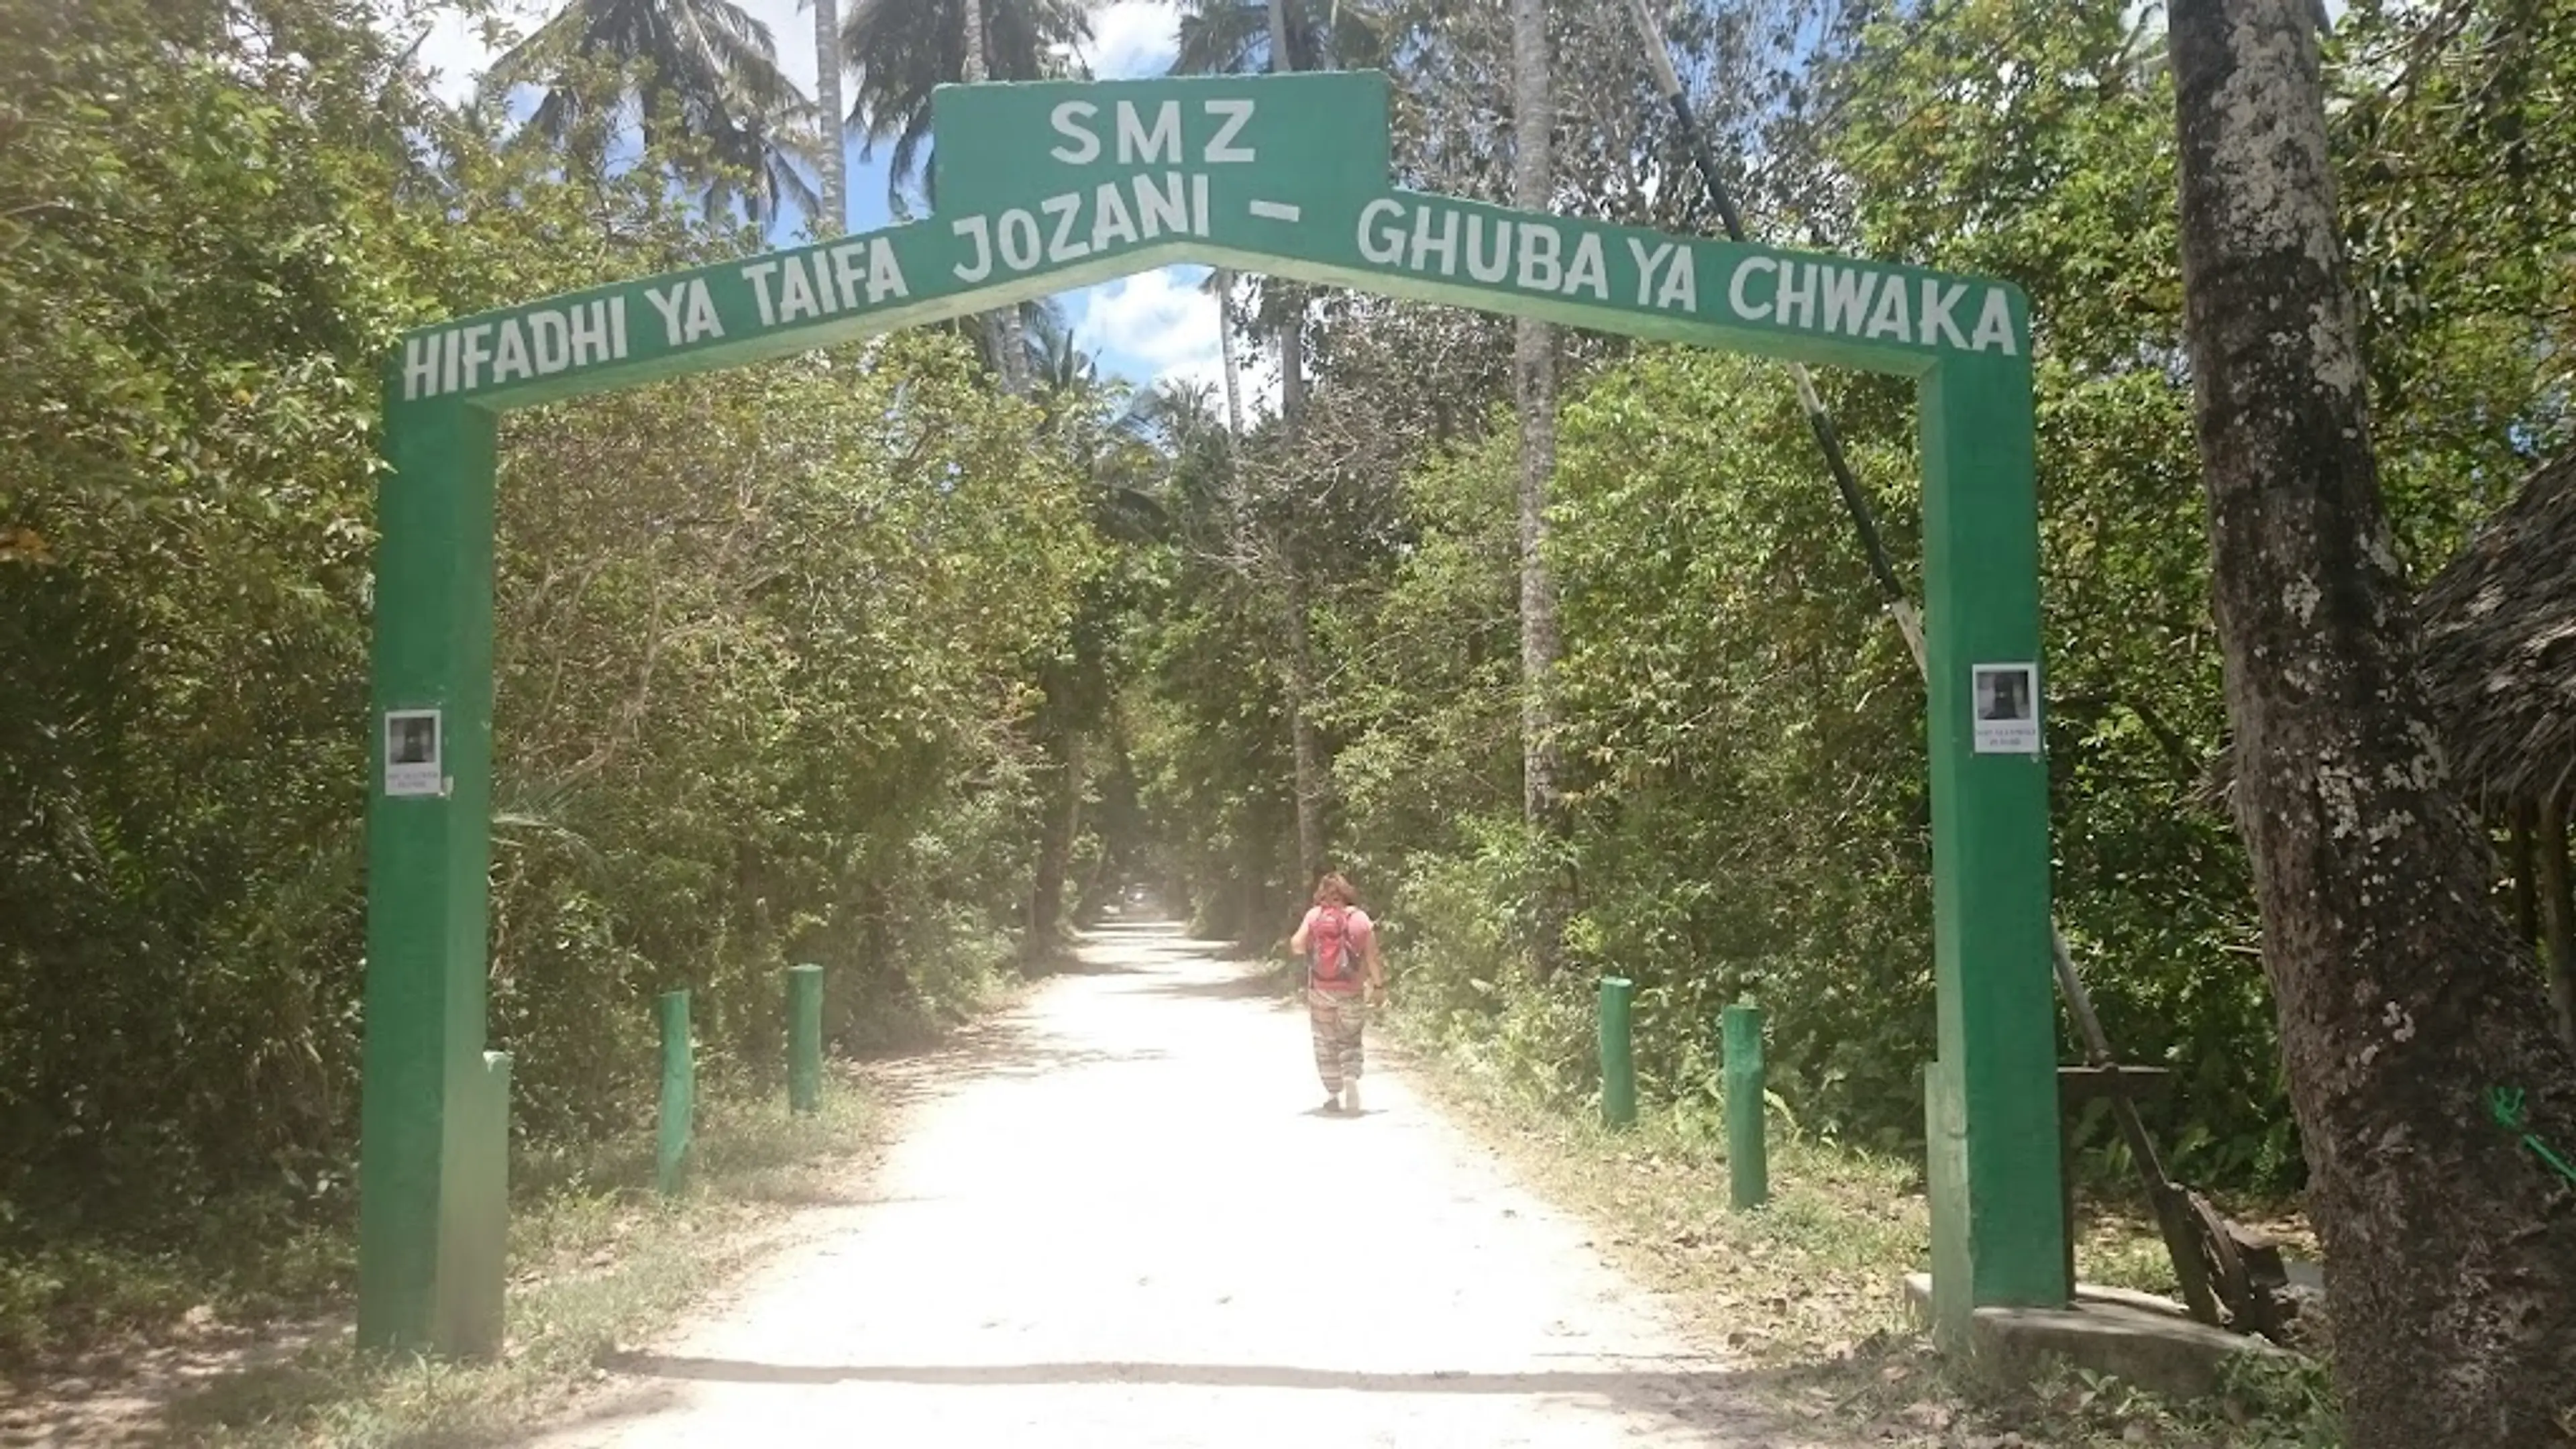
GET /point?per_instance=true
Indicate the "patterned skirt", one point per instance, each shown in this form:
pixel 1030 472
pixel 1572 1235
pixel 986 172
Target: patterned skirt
pixel 1338 1020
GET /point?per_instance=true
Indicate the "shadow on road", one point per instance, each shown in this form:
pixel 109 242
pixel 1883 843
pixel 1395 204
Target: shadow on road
pixel 1000 1049
pixel 1200 1375
pixel 1227 988
pixel 1705 1397
pixel 1138 958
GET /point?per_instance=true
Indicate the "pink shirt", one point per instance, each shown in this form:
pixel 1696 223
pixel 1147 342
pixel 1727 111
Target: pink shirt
pixel 1359 928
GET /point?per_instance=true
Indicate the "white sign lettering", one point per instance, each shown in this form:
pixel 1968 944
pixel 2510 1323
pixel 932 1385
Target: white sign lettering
pixel 1072 121
pixel 1455 241
pixel 519 348
pixel 1156 139
pixel 1221 150
pixel 1566 258
pixel 1527 254
pixel 689 314
pixel 1172 204
pixel 1858 302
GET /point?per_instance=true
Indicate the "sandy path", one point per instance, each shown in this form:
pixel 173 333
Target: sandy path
pixel 1116 1227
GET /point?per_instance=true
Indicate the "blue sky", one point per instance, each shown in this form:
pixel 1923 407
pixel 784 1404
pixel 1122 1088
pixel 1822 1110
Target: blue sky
pixel 1148 327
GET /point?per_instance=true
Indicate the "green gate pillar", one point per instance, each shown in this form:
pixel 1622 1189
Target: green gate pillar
pixel 427 850
pixel 475 1244
pixel 1748 1161
pixel 679 1093
pixel 1991 1094
pixel 1618 1058
pixel 805 1038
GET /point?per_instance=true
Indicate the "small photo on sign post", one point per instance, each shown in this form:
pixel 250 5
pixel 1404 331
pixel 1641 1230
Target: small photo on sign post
pixel 2006 703
pixel 412 765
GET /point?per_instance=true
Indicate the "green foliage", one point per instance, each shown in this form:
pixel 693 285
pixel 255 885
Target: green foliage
pixel 602 1259
pixel 782 600
pixel 1743 730
pixel 1745 742
pixel 699 74
pixel 195 287
pixel 767 663
pixel 849 659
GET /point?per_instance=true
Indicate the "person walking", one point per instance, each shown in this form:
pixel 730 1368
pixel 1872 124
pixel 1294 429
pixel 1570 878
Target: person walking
pixel 1344 976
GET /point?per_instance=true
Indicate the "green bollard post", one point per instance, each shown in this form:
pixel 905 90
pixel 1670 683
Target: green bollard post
pixel 679 1090
pixel 805 1038
pixel 1748 1162
pixel 1618 1063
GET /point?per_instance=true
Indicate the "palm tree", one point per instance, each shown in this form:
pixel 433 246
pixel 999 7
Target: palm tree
pixel 1064 381
pixel 764 162
pixel 902 50
pixel 1534 378
pixel 1230 37
pixel 835 216
pixel 700 71
pixel 905 49
pixel 1220 283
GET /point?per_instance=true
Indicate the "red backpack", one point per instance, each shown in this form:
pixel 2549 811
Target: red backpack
pixel 1336 953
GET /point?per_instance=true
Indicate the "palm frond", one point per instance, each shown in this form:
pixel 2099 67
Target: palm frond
pixel 900 51
pixel 706 70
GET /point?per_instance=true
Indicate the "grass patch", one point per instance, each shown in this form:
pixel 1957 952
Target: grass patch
pixel 1809 1288
pixel 597 1260
pixel 66 1288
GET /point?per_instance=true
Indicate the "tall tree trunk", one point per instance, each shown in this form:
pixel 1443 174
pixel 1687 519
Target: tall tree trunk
pixel 1281 58
pixel 1262 921
pixel 1117 823
pixel 1534 389
pixel 2526 895
pixel 2402 1001
pixel 1306 747
pixel 2558 911
pixel 827 95
pixel 1055 853
pixel 1224 281
pixel 1296 584
pixel 1291 334
pixel 1002 325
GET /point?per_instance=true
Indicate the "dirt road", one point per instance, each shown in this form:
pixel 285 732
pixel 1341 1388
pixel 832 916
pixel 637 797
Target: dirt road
pixel 1121 1223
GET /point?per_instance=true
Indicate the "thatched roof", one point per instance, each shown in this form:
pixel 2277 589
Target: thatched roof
pixel 2499 645
pixel 2498 652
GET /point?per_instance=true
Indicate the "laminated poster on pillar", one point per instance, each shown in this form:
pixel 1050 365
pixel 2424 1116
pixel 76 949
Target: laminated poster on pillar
pixel 412 763
pixel 2006 700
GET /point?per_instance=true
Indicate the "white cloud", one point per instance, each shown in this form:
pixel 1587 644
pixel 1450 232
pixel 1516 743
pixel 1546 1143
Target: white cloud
pixel 1158 318
pixel 1259 381
pixel 1160 325
pixel 1133 38
pixel 792 27
pixel 456 53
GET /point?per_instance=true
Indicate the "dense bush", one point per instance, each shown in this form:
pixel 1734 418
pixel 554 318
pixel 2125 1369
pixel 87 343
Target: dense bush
pixel 759 701
pixel 852 659
pixel 1742 728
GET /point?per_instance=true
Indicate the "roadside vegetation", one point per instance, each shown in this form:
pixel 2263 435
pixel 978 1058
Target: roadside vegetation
pixel 1807 1290
pixel 898 657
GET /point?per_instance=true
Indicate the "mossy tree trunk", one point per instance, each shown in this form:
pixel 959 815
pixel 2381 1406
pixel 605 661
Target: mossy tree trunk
pixel 2402 997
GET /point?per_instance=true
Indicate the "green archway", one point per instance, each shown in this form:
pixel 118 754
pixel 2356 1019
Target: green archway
pixel 1052 186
